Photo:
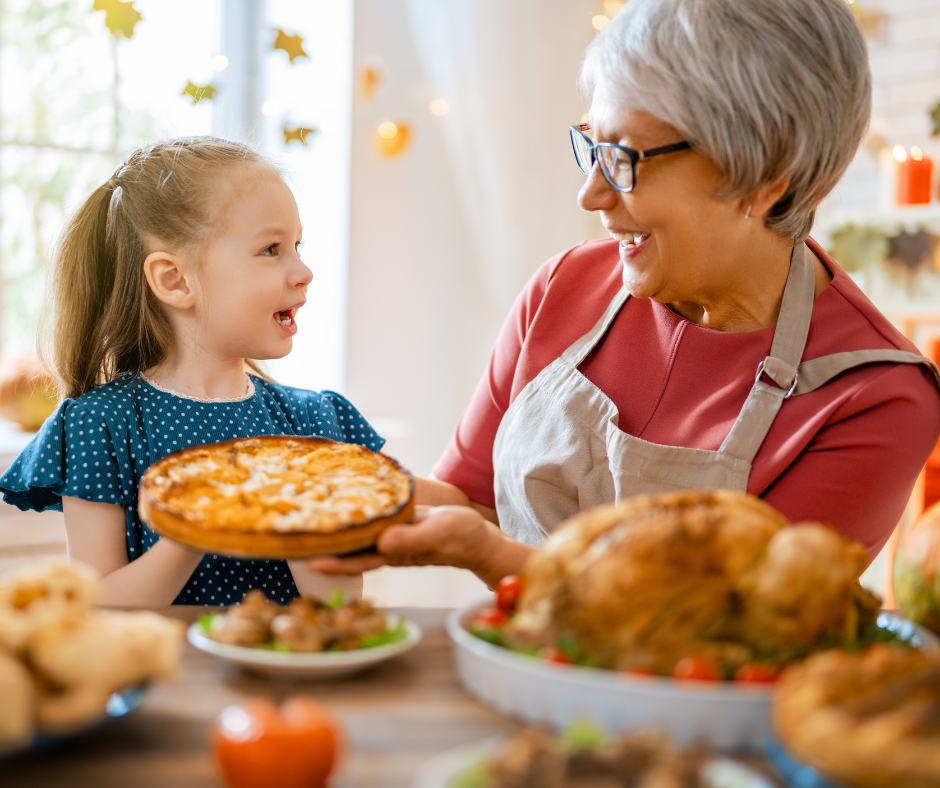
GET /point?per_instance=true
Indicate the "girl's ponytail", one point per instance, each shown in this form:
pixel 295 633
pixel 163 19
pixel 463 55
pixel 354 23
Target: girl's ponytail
pixel 81 289
pixel 106 319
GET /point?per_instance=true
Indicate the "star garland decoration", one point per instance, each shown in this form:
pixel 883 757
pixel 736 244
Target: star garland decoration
pixel 120 16
pixel 909 254
pixel 300 134
pixel 934 112
pixel 858 248
pixel 293 45
pixel 370 80
pixel 199 92
pixel 871 22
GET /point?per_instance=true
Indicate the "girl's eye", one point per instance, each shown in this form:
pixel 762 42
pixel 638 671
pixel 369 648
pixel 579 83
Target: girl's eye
pixel 270 251
pixel 298 245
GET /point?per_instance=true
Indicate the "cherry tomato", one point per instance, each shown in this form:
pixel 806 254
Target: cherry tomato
pixel 641 672
pixel 258 744
pixel 555 655
pixel 757 672
pixel 492 617
pixel 508 591
pixel 698 668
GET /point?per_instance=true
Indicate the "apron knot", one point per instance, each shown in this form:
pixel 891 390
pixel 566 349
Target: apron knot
pixel 780 372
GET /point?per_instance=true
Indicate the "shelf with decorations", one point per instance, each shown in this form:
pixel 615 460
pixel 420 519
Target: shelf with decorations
pixel 892 250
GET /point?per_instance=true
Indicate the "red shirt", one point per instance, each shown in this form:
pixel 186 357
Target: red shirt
pixel 847 454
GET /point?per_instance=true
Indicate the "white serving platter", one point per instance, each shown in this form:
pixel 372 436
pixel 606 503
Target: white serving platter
pixel 310 666
pixel 443 770
pixel 728 715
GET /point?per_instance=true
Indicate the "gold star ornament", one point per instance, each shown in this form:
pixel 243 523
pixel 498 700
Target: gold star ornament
pixel 199 92
pixel 120 16
pixel 292 45
pixel 370 79
pixel 301 134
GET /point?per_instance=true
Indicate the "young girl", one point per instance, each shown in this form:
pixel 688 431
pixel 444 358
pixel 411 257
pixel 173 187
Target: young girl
pixel 169 279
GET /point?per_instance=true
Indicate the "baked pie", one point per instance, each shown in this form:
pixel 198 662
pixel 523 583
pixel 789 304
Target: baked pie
pixel 868 719
pixel 276 497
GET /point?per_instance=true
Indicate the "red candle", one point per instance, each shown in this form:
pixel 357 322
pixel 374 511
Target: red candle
pixel 914 175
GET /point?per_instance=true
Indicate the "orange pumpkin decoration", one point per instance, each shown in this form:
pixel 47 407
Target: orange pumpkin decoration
pixel 917 570
pixel 27 393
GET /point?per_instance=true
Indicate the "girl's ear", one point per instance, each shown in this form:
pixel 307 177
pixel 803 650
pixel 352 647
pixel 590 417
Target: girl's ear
pixel 169 280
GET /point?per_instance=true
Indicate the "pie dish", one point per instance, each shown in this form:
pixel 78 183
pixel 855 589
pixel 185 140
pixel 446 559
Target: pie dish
pixel 868 719
pixel 276 497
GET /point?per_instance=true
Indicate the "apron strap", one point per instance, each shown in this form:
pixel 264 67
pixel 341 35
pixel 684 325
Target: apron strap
pixel 785 370
pixel 814 373
pixel 764 400
pixel 579 351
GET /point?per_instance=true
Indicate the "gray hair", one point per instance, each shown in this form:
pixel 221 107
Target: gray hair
pixel 766 89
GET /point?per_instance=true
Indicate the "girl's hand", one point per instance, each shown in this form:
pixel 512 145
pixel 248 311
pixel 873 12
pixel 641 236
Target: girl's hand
pixel 441 536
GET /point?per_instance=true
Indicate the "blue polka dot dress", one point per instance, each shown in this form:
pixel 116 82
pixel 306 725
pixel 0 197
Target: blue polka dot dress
pixel 98 446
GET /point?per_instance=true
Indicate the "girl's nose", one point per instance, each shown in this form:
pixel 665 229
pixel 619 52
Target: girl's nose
pixel 597 194
pixel 301 275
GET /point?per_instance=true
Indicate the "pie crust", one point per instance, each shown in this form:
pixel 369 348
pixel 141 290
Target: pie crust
pixel 276 497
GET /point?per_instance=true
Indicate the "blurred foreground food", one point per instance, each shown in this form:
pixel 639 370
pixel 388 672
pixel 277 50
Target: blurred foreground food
pixel 868 719
pixel 61 659
pixel 583 757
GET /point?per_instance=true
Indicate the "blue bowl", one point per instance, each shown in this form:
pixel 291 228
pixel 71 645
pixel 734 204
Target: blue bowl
pixel 796 773
pixel 119 705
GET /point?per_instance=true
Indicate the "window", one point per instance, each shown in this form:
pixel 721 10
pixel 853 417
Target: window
pixel 74 99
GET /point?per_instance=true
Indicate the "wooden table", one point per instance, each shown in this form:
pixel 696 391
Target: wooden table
pixel 397 716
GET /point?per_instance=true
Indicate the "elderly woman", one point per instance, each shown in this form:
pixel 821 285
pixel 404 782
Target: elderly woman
pixel 710 342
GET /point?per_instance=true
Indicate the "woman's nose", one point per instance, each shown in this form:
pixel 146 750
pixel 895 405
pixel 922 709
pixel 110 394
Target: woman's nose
pixel 596 194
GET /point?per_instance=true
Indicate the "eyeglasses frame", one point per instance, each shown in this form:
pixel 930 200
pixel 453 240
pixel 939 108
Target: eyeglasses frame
pixel 634 155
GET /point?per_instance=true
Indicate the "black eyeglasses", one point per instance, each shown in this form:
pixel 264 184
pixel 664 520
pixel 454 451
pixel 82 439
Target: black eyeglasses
pixel 617 163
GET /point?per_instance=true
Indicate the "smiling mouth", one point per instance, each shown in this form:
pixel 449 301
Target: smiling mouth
pixel 629 239
pixel 286 317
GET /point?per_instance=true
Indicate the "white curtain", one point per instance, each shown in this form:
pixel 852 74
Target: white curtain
pixel 508 70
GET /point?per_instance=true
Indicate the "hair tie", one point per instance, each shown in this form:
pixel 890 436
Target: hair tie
pixel 112 184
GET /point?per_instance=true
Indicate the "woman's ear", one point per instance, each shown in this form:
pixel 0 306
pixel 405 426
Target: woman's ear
pixel 169 280
pixel 762 199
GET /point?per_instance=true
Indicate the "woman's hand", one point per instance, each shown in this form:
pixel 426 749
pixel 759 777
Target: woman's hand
pixel 440 536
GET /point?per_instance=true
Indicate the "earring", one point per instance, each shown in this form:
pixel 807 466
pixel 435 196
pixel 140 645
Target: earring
pixel 747 213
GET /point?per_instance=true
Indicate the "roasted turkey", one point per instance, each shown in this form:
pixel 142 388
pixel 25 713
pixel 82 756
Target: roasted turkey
pixel 640 584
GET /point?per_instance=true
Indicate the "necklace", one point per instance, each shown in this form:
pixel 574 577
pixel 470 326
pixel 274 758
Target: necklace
pixel 247 395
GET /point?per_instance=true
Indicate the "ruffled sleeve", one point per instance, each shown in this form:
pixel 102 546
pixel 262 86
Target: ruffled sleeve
pixel 71 455
pixel 337 418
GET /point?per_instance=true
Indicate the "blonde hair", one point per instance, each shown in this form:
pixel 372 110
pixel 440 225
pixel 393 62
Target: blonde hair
pixel 766 89
pixel 107 320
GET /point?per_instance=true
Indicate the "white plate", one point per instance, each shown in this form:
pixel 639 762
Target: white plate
pixel 314 666
pixel 725 714
pixel 728 715
pixel 442 770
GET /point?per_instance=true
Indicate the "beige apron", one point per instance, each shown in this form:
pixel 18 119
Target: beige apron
pixel 558 450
